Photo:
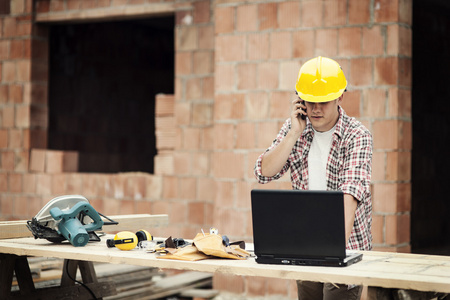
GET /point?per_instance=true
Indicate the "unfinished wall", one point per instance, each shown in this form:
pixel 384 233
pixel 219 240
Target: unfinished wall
pixel 235 68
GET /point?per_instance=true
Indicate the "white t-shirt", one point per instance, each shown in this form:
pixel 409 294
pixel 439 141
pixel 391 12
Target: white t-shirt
pixel 317 159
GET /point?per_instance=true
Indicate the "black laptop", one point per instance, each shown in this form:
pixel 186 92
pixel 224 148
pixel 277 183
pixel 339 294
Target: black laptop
pixel 295 227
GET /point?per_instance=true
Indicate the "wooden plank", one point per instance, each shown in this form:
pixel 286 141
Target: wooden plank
pixel 18 229
pixel 76 292
pixel 390 270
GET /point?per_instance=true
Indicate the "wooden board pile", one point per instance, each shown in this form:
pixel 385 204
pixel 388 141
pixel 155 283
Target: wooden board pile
pixel 132 282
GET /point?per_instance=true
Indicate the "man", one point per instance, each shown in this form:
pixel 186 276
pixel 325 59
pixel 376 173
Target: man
pixel 325 149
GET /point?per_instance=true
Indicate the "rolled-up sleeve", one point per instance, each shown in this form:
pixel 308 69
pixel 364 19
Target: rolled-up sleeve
pixel 356 171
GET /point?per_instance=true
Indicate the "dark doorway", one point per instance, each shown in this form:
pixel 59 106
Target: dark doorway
pixel 430 215
pixel 103 80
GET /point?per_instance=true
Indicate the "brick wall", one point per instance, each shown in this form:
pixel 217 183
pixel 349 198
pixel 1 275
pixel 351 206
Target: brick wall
pixel 236 64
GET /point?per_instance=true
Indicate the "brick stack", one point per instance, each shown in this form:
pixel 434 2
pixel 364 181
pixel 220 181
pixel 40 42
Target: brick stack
pixel 236 64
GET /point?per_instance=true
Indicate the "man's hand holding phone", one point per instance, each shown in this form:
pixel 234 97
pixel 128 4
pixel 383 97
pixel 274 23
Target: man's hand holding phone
pixel 298 116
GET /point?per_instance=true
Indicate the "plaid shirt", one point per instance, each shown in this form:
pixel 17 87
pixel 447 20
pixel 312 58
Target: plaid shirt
pixel 348 169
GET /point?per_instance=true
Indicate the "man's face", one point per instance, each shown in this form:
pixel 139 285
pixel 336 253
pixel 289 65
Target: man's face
pixel 323 116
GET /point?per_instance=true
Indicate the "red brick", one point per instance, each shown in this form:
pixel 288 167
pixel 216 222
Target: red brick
pixel 224 19
pixel 266 132
pixel 4 91
pixel 58 184
pixel 186 38
pixel 6 205
pixel 326 42
pixel 311 13
pixel 288 74
pixel 16 93
pixel 5 46
pixel 37 160
pixel 201 11
pixel 73 4
pixel 44 184
pixel 288 14
pixel 44 6
pixel 352 103
pixel 15 183
pixel 374 103
pixel 3 183
pixel 405 11
pixel 54 161
pixel 349 41
pixel 358 11
pixel 15 139
pixel 3 139
pixel 208 87
pixel 385 134
pixel 206 37
pixel 280 104
pixel 378 228
pixel 191 138
pixel 247 18
pixel 135 187
pixel 280 45
pixel 22 119
pixel 225 134
pixel 257 106
pixel 361 71
pixel 373 41
pixel 20 206
pixel 226 53
pixel 386 11
pixel 398 166
pixel 268 75
pixel 9 71
pixel 256 286
pixel 203 62
pixel 225 78
pixel 246 76
pixel 231 221
pixel 267 14
pixel 230 106
pixel 193 88
pixel 196 213
pixel 303 43
pixel 178 213
pixel 229 283
pixel 206 189
pixel 202 113
pixel 170 187
pixel 277 286
pixel 245 136
pixel 405 72
pixel 258 46
pixel 386 71
pixel 75 185
pixel 10 27
pixel 8 116
pixel 398 229
pixel 335 12
pixel 228 165
pixel 183 63
pixel 24 70
pixel 378 166
pixel 399 102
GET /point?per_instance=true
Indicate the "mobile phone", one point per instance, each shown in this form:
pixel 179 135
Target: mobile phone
pixel 303 117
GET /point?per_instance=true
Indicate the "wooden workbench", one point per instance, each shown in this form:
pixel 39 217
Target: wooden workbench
pixel 377 269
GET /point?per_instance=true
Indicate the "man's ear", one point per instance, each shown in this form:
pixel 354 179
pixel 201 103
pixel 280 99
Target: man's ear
pixel 340 99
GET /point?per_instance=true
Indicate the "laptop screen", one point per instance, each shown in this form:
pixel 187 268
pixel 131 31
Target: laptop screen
pixel 298 224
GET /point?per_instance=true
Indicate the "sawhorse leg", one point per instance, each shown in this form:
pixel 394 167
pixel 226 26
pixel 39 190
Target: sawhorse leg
pixel 92 289
pixel 10 263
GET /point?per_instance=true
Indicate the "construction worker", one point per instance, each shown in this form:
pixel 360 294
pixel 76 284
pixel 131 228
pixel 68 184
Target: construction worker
pixel 325 149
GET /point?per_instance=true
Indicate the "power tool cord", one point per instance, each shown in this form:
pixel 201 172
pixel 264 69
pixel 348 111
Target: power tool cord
pixel 79 282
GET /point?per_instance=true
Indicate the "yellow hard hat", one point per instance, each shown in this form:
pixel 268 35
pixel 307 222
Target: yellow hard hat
pixel 320 79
